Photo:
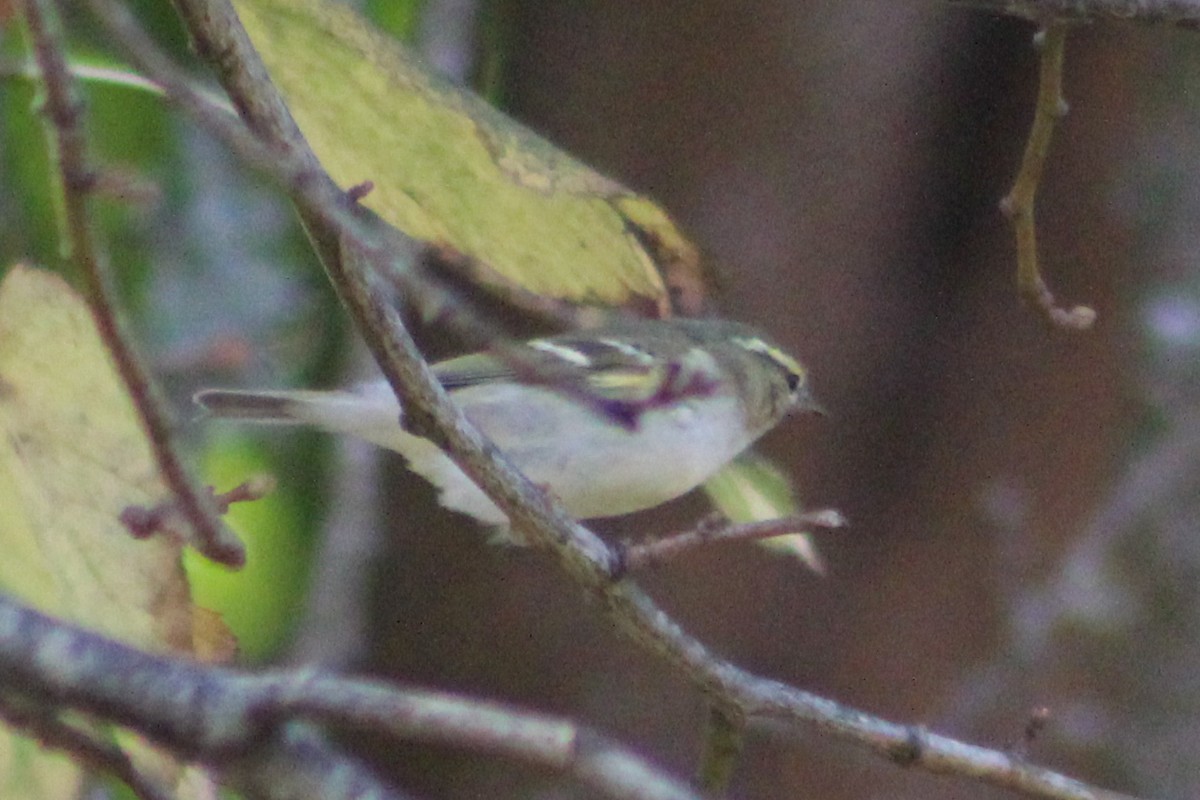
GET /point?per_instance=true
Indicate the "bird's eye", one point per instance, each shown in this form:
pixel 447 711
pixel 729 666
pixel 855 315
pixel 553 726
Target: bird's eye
pixel 793 381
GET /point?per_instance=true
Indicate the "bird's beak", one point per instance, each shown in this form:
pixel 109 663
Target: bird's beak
pixel 806 403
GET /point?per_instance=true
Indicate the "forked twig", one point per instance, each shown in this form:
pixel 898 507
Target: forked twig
pixel 1018 204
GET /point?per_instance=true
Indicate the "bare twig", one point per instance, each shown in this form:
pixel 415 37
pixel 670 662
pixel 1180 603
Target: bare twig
pixel 84 747
pixel 1018 204
pixel 345 241
pixel 296 762
pixel 646 554
pixel 439 718
pixel 233 720
pixel 1184 13
pixel 77 181
pixel 167 517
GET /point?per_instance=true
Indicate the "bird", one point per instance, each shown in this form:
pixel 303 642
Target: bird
pixel 611 420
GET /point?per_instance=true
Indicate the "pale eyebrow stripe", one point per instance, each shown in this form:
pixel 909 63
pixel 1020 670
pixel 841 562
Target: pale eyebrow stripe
pixel 781 358
pixel 567 354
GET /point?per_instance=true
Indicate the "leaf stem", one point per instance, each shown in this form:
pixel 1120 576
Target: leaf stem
pixel 724 736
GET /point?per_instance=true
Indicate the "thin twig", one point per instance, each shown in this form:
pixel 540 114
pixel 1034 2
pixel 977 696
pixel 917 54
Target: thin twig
pixel 167 516
pixel 657 551
pixel 298 763
pixel 1018 204
pixel 67 140
pixel 344 240
pixel 1183 13
pixel 203 713
pixel 84 747
pixel 439 718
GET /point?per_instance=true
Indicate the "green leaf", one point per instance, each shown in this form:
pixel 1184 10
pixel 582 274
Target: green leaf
pixel 448 169
pixel 752 489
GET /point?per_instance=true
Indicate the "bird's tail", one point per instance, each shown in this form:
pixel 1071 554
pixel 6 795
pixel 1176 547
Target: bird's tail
pixel 370 413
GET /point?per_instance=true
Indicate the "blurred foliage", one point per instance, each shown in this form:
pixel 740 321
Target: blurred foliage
pixel 73 457
pixel 174 253
pixel 259 601
pixel 399 19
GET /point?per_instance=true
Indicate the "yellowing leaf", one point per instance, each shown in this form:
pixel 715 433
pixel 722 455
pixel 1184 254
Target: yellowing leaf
pixel 26 772
pixel 72 457
pixel 752 489
pixel 449 169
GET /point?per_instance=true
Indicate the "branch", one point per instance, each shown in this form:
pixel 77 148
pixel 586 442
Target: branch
pixel 1183 13
pixel 652 553
pixel 489 728
pixel 84 747
pixel 166 517
pixel 185 706
pixel 346 241
pixel 1018 204
pixel 76 181
pixel 244 725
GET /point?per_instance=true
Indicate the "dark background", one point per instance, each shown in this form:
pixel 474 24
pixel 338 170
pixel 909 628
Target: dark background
pixel 843 163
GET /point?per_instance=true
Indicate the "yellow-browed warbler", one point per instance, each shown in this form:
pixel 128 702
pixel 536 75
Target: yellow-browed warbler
pixel 611 420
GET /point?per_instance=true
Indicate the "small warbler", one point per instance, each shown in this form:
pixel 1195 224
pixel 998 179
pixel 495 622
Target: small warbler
pixel 611 420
